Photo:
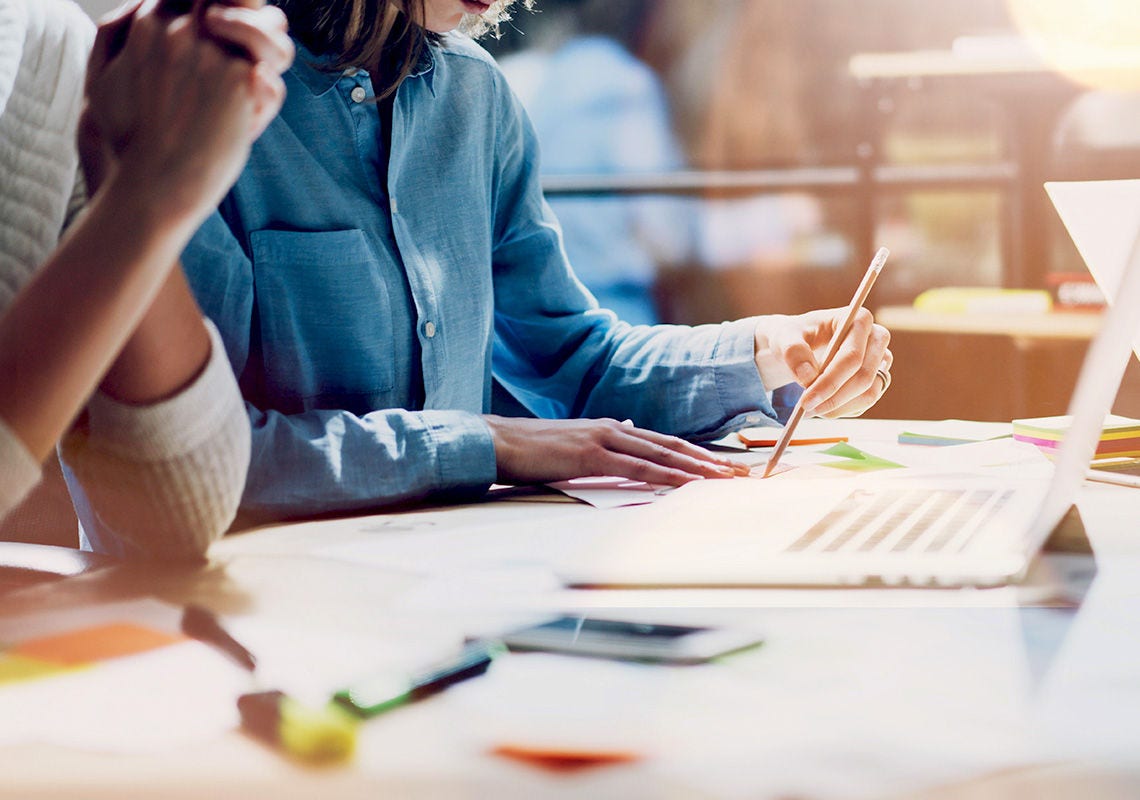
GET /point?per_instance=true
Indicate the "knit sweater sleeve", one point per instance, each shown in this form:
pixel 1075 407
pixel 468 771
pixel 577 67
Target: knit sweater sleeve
pixel 162 480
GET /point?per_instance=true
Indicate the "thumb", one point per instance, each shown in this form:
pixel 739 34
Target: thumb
pixel 801 360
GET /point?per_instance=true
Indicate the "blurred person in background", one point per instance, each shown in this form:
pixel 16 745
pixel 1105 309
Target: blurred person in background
pixel 741 96
pixel 599 110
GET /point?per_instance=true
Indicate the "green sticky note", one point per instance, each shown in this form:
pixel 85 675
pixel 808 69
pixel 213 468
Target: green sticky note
pixel 857 460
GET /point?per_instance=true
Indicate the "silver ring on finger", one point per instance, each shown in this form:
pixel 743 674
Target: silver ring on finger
pixel 885 376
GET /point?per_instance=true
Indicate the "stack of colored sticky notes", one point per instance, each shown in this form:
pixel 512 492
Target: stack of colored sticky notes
pixel 1120 437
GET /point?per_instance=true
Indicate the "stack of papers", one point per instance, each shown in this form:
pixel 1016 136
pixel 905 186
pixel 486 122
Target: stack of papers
pixel 1120 437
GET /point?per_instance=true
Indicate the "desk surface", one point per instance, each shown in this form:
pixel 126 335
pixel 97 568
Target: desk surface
pixel 856 693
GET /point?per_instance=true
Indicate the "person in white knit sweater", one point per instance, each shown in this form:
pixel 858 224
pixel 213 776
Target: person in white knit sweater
pixel 101 325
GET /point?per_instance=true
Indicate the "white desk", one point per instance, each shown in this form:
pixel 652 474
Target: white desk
pixel 856 693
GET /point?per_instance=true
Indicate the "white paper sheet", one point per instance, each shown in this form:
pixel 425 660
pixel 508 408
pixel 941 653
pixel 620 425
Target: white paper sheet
pixel 610 492
pixel 475 549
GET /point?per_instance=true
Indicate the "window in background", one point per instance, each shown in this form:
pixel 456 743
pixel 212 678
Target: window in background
pixel 742 104
pixel 600 110
pixel 756 88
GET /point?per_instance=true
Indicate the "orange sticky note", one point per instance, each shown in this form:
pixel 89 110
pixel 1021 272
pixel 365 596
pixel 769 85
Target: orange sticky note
pixel 99 643
pixel 767 437
pixel 562 759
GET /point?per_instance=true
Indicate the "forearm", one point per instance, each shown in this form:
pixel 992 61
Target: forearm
pixel 19 472
pixel 67 326
pixel 688 382
pixel 563 357
pixel 167 350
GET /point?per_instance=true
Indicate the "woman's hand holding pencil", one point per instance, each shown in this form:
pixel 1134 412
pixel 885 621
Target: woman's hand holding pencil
pixel 854 371
pixel 842 383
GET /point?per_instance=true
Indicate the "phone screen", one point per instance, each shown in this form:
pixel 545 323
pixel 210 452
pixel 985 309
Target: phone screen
pixel 584 626
pixel 626 639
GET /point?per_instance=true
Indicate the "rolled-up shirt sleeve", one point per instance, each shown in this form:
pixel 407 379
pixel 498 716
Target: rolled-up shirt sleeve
pixel 330 460
pixel 562 356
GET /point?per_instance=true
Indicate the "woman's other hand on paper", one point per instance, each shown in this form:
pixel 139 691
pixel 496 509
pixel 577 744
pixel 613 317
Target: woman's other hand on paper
pixel 542 451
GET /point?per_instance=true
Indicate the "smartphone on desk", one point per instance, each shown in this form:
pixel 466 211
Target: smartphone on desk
pixel 629 640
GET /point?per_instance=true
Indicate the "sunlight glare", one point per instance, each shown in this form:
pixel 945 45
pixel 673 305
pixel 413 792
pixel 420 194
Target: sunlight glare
pixel 1096 43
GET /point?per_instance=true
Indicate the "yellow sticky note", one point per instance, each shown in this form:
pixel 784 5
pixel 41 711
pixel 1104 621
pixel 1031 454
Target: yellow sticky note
pixel 14 669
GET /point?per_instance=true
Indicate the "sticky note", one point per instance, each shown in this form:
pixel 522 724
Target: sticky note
pixel 14 669
pixel 857 460
pixel 564 759
pixel 98 643
pixel 768 436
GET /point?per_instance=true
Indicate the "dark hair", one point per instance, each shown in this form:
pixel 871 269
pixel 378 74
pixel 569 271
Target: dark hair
pixel 355 33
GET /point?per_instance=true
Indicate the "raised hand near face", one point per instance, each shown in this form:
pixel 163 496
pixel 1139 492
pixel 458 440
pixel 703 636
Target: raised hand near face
pixel 180 98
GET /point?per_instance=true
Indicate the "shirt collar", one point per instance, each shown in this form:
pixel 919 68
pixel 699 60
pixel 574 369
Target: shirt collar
pixel 312 70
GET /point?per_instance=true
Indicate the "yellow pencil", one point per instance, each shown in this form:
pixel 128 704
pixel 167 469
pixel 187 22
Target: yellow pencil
pixel 857 301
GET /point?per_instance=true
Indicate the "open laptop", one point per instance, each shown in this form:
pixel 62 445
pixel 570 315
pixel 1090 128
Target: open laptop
pixel 1101 217
pixel 978 527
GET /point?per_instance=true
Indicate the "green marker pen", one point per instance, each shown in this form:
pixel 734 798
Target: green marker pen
pixel 384 692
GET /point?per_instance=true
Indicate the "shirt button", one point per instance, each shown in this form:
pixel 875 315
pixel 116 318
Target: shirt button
pixel 392 204
pixel 358 94
pixel 429 329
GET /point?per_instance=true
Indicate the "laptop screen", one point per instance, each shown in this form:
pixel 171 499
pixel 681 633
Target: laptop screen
pixel 1103 220
pixel 1116 267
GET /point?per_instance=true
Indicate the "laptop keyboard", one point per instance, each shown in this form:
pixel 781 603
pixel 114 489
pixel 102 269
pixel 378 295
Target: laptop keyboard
pixel 903 521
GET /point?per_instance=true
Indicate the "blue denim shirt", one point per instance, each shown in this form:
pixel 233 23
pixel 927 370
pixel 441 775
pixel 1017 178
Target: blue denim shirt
pixel 368 321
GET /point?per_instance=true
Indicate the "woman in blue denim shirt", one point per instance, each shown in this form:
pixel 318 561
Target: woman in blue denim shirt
pixel 386 273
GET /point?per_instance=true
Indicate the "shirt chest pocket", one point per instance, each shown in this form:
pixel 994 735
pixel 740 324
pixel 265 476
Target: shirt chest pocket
pixel 324 319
